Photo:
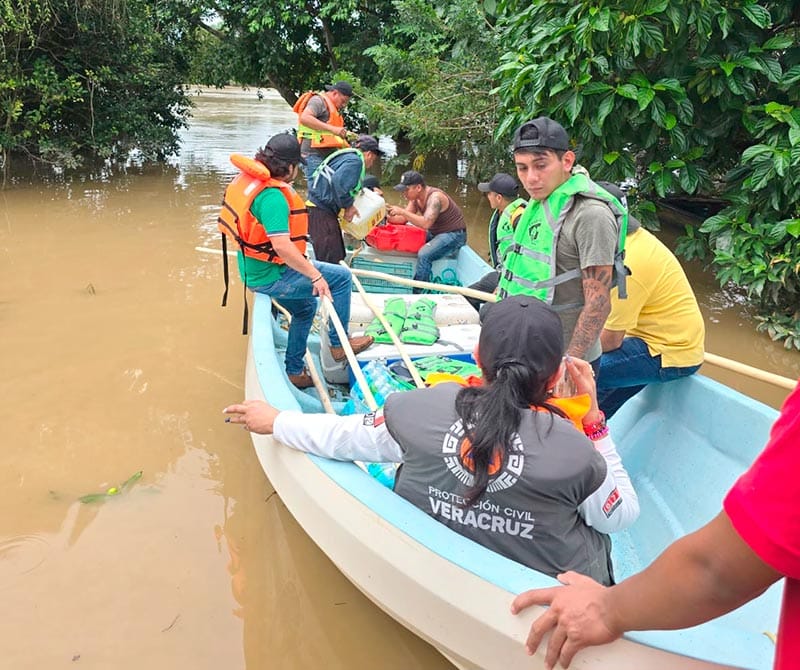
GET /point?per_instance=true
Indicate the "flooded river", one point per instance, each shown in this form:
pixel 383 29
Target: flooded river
pixel 117 359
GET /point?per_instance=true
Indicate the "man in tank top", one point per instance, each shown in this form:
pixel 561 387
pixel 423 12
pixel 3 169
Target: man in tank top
pixel 434 211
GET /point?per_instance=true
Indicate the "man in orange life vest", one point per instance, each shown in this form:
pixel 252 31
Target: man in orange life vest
pixel 269 221
pixel 320 126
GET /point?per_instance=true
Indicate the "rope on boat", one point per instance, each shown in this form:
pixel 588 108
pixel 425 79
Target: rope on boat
pixel 395 339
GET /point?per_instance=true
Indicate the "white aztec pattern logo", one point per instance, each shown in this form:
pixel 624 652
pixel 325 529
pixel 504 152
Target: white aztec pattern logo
pixel 455 452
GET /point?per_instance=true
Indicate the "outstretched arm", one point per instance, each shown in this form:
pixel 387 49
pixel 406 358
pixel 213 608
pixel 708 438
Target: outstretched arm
pixel 699 577
pixel 356 437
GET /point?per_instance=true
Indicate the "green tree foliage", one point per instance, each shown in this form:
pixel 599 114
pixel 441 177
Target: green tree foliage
pixel 90 77
pixel 686 97
pixel 290 46
pixel 435 62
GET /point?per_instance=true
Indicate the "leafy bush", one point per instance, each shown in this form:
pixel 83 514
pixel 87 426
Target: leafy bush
pixel 696 97
pixel 96 77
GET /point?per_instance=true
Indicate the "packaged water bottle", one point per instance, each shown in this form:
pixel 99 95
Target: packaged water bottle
pixel 383 472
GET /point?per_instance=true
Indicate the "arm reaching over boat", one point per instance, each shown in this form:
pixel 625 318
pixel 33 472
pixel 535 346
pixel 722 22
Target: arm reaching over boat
pixel 358 437
pixel 731 560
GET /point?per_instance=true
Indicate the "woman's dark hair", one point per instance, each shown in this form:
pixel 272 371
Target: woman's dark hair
pixel 278 167
pixel 491 415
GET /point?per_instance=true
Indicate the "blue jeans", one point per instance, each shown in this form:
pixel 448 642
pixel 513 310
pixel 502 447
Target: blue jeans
pixel 295 292
pixel 437 246
pixel 627 370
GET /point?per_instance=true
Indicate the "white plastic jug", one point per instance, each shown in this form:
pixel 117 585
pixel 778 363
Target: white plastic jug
pixel 371 211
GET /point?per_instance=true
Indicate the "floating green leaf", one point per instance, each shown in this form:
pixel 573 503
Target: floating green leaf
pixel 112 491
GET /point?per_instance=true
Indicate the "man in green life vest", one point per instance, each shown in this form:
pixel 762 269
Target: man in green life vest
pixel 567 249
pixel 507 208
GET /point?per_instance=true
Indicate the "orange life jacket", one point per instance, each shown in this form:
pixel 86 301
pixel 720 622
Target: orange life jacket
pixel 235 220
pixel 320 139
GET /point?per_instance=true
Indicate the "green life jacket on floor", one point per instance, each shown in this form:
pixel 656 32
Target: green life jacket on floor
pixel 395 312
pixel 432 364
pixel 420 326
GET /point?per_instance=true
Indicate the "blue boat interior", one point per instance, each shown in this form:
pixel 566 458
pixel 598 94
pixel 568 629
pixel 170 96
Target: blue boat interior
pixel 683 443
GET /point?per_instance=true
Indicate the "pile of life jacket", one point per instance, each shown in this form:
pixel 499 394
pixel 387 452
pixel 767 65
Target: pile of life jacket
pixel 413 324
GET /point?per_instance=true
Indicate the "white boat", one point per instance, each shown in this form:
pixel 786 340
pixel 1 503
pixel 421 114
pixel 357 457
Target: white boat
pixel 684 443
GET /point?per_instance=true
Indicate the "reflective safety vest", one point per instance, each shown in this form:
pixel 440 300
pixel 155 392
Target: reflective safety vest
pixel 235 220
pixel 529 265
pixel 320 139
pixel 509 218
pixel 325 171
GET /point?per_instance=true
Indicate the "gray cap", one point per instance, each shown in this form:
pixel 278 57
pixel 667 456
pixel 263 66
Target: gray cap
pixel 520 330
pixel 409 178
pixel 502 184
pixel 286 147
pixel 368 143
pixel 541 133
pixel 342 86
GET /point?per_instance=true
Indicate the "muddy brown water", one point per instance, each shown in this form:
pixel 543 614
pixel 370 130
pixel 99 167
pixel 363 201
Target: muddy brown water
pixel 117 359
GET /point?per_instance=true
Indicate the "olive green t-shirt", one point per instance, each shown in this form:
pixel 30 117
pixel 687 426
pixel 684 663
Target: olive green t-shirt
pixel 272 212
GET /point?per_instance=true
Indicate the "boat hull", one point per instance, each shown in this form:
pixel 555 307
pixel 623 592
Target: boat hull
pixel 456 594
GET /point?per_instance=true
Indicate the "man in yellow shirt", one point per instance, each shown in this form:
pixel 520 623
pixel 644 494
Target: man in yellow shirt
pixel 657 333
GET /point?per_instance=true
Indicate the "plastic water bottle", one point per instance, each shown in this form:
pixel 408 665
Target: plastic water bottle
pixel 383 472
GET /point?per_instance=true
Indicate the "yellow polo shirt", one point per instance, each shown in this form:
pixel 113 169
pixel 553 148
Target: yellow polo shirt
pixel 661 308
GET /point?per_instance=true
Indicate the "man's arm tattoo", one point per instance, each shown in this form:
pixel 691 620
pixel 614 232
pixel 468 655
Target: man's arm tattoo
pixel 433 209
pixel 597 306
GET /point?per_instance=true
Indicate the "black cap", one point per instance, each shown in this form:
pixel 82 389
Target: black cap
pixel 541 133
pixel 619 194
pixel 371 182
pixel 502 183
pixel 520 329
pixel 368 143
pixel 342 86
pixel 286 147
pixel 409 178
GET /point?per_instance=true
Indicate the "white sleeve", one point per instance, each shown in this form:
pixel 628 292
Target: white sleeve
pixel 357 437
pixel 614 506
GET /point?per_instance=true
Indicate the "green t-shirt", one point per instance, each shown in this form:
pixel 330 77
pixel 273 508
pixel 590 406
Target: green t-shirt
pixel 272 212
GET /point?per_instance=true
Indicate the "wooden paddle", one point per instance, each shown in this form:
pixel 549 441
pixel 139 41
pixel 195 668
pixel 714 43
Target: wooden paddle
pixel 444 288
pixel 350 354
pixel 711 359
pixel 312 368
pixel 401 349
pixel 750 371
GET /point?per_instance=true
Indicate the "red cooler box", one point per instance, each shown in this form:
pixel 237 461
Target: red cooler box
pixel 397 237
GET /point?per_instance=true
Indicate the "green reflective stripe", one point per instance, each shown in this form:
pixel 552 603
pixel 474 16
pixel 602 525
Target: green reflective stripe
pixel 530 253
pixel 304 132
pixel 509 218
pixel 548 213
pixel 325 170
